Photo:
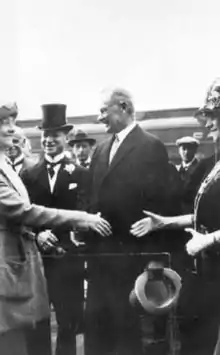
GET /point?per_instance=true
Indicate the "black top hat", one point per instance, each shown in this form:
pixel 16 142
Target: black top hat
pixel 54 118
pixel 81 136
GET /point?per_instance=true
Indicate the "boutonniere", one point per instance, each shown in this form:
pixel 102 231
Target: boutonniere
pixel 69 168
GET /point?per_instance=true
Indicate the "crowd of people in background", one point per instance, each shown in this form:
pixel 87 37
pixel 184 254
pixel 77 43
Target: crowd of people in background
pixel 90 210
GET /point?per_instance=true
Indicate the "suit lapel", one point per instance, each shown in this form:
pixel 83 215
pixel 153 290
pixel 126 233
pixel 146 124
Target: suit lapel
pixel 24 166
pixel 41 175
pixel 125 148
pixel 62 178
pixel 103 158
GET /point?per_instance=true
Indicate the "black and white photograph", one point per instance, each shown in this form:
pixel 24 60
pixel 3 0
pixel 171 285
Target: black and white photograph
pixel 110 177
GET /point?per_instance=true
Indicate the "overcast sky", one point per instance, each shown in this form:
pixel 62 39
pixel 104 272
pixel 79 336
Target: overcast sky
pixel 165 52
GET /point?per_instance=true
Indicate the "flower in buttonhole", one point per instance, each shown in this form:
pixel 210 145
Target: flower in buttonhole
pixel 69 168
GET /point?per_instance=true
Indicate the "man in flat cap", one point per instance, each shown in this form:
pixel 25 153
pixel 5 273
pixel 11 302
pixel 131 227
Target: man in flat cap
pixel 82 147
pixel 188 147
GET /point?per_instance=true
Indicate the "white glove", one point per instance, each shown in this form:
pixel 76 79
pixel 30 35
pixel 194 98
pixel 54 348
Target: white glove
pixel 46 240
pixel 74 240
pixel 199 241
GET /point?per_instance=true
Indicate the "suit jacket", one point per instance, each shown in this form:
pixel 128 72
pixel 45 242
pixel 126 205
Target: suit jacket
pixel 27 164
pixel 137 179
pixel 189 190
pixel 69 191
pixel 17 249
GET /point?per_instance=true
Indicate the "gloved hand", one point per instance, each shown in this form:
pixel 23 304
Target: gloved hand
pixel 199 241
pixel 46 240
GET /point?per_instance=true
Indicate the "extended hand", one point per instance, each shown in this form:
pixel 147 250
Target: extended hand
pixel 198 242
pixel 148 224
pixel 96 223
pixel 46 240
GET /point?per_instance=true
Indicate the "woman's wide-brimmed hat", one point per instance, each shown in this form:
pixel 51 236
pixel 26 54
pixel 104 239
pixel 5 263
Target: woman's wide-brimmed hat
pixel 54 118
pixel 80 136
pixel 211 103
pixel 8 110
pixel 156 291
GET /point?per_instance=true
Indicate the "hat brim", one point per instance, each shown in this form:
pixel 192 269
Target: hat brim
pixel 72 142
pixel 191 144
pixel 65 128
pixel 148 305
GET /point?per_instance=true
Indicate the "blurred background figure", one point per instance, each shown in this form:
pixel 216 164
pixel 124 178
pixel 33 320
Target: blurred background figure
pixel 82 146
pixel 19 153
pixel 188 147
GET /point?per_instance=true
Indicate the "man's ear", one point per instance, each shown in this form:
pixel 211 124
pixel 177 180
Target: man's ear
pixel 23 143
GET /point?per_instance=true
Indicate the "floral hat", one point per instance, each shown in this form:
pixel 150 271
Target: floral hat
pixel 9 109
pixel 212 102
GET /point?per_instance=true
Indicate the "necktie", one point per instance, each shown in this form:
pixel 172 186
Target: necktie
pixel 85 165
pixel 114 148
pixel 13 165
pixel 50 167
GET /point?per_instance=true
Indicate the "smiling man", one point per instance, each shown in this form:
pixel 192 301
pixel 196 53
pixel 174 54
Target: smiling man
pixel 129 174
pixel 56 182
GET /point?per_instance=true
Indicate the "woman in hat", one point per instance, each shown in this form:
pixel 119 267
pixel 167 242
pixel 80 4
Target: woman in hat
pixel 23 296
pixel 204 224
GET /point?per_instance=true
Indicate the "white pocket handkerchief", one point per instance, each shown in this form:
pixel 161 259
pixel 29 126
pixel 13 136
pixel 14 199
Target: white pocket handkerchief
pixel 72 186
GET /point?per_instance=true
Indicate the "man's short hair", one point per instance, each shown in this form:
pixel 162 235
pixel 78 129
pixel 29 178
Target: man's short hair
pixel 121 97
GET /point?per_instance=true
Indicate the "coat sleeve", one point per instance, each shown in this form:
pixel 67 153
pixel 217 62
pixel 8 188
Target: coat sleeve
pixel 14 209
pixel 157 189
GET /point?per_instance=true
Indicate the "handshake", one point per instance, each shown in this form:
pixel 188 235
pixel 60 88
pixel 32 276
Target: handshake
pixel 48 242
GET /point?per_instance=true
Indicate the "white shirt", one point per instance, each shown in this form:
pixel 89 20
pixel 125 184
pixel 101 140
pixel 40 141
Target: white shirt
pixel 86 163
pixel 187 165
pixel 119 138
pixel 49 159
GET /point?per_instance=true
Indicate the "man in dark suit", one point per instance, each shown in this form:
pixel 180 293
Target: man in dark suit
pixel 188 147
pixel 56 182
pixel 129 174
pixel 82 148
pixel 15 153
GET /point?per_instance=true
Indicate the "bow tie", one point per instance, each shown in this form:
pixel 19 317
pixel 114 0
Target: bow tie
pixel 85 164
pixel 51 166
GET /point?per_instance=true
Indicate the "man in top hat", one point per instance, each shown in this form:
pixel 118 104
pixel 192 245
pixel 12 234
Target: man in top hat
pixel 188 147
pixel 82 146
pixel 56 182
pixel 16 153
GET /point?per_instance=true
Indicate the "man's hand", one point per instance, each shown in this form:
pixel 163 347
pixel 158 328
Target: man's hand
pixel 46 240
pixel 148 224
pixel 96 223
